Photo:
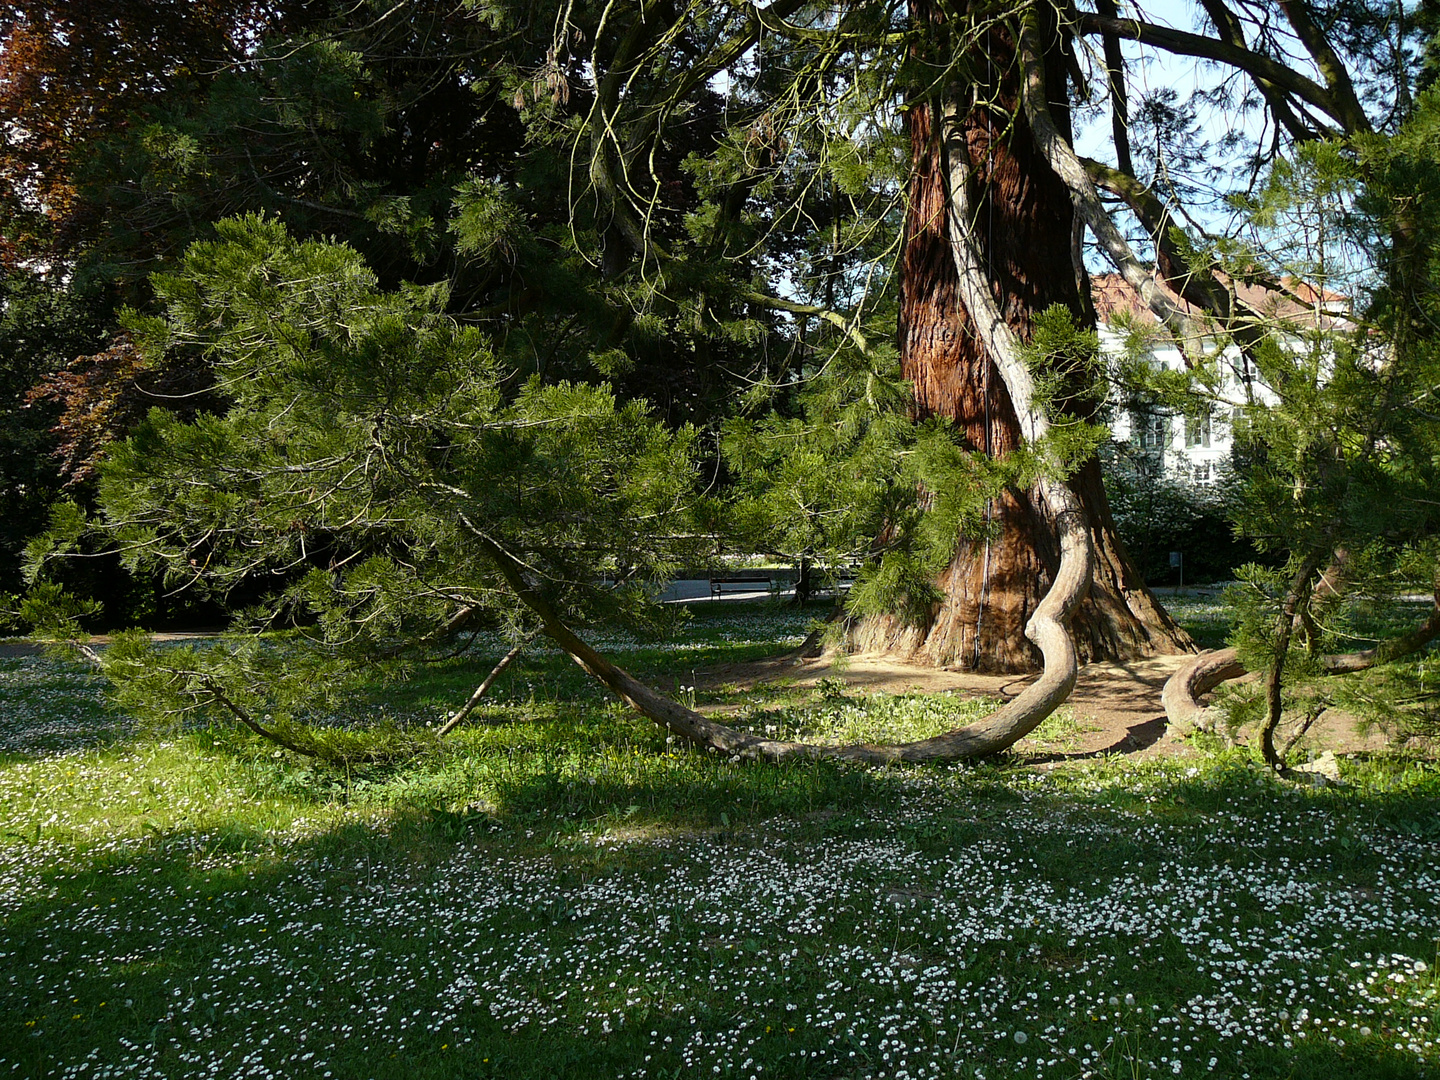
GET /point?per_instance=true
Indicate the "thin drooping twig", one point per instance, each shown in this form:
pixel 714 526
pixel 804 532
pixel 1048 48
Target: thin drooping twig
pixel 458 718
pixel 245 718
pixel 1312 713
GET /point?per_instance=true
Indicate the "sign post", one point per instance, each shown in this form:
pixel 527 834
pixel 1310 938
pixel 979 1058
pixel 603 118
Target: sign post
pixel 1177 560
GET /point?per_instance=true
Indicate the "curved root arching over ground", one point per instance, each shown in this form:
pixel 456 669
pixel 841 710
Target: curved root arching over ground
pixel 1204 673
pixel 1049 627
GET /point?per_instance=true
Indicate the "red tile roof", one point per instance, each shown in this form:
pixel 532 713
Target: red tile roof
pixel 1301 302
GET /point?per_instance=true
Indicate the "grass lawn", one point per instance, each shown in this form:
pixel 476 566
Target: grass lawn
pixel 558 890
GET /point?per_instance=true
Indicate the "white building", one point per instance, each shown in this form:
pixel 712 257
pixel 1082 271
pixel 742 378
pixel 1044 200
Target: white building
pixel 1197 447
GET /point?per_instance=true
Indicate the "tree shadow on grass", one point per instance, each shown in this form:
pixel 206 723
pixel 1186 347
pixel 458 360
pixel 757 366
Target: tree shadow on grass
pixel 354 945
pixel 51 707
pixel 198 948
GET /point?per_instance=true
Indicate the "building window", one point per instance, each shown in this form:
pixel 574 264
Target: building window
pixel 1201 474
pixel 1197 430
pixel 1151 430
pixel 1242 422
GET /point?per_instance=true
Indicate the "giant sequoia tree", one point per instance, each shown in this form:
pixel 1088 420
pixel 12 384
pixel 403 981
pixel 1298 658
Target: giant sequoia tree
pixel 973 146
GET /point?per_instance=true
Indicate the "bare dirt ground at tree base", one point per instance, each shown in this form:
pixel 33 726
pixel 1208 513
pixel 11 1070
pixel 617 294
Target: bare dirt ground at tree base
pixel 1115 708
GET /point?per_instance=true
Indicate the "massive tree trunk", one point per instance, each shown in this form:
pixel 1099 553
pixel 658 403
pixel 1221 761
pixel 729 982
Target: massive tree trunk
pixel 1024 222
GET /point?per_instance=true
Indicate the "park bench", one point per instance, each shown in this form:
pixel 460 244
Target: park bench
pixel 717 584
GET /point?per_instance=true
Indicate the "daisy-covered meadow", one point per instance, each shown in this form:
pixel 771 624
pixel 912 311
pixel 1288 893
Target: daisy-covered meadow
pixel 557 890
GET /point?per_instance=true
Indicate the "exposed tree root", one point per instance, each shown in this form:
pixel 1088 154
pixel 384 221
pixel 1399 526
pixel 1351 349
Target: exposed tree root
pixel 1048 629
pixel 1205 672
pixel 1198 675
pixel 1417 639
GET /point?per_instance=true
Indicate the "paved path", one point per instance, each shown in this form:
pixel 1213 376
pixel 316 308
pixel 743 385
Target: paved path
pixel 13 647
pixel 687 590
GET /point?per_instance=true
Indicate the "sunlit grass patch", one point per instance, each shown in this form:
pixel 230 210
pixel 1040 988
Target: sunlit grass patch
pixel 1060 732
pixel 831 714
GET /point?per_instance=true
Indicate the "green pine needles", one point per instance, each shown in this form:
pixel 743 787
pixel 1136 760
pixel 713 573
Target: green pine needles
pixel 343 502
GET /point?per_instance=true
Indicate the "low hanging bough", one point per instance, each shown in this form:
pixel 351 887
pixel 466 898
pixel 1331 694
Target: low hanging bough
pixel 1049 628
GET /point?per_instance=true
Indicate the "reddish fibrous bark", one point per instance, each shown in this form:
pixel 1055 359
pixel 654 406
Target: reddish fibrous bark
pixel 1024 222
